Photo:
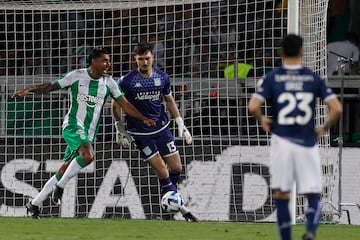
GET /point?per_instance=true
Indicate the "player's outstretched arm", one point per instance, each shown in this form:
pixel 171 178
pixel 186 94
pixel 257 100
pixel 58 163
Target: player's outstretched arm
pixel 174 111
pixel 38 89
pixel 132 111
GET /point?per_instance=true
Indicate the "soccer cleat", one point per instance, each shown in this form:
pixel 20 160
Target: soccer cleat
pixel 32 210
pixel 308 236
pixel 57 195
pixel 191 218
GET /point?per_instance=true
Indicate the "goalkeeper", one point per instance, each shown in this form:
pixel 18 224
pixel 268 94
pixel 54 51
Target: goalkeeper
pixel 146 88
pixel 88 90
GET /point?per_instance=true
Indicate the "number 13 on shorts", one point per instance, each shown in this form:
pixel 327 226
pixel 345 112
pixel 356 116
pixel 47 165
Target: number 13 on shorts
pixel 171 146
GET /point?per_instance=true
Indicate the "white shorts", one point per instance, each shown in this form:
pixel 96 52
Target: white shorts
pixel 291 162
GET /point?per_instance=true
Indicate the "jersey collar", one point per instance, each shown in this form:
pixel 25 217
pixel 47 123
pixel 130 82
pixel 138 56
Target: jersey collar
pixel 292 67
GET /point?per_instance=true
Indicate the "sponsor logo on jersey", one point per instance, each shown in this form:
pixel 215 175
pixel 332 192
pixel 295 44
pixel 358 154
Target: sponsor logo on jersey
pixel 157 82
pixel 152 95
pixel 89 100
pixel 138 85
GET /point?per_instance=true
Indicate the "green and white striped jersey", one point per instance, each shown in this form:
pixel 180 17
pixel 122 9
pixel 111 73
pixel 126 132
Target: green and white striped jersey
pixel 87 98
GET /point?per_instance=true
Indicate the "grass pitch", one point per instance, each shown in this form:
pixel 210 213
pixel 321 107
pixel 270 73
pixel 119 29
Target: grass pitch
pixel 106 229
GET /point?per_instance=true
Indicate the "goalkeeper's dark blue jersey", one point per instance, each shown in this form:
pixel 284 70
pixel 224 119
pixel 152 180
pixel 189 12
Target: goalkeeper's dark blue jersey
pixel 291 91
pixel 147 95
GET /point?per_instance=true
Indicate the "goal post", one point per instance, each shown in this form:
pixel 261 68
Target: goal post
pixel 225 170
pixel 293 27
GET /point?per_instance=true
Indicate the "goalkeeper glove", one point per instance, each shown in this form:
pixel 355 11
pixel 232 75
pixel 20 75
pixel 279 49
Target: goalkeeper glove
pixel 183 131
pixel 123 138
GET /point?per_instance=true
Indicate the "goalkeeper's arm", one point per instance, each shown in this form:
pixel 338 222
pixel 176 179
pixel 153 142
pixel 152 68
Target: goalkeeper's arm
pixel 123 138
pixel 174 111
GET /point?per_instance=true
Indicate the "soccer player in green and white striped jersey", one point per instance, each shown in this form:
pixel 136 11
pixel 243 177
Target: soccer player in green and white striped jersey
pixel 88 90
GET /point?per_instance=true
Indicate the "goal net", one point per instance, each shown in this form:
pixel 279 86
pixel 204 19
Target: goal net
pixel 213 50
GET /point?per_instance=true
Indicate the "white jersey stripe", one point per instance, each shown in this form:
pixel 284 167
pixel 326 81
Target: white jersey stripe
pixel 87 98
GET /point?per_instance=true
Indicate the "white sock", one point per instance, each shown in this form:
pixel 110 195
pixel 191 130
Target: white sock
pixel 45 191
pixel 73 169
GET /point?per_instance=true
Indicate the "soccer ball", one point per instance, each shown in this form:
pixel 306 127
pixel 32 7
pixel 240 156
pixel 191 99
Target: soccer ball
pixel 172 201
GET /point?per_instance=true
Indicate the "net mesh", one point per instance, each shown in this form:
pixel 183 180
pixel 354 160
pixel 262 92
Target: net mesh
pixel 213 50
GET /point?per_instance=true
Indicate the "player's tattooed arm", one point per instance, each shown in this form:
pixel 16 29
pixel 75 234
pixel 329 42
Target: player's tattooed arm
pixel 38 89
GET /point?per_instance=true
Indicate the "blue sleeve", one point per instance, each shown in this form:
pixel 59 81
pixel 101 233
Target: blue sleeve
pixel 324 90
pixel 263 87
pixel 120 80
pixel 167 87
pixel 121 83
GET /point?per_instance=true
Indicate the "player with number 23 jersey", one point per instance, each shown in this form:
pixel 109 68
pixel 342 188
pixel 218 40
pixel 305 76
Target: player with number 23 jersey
pixel 293 91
